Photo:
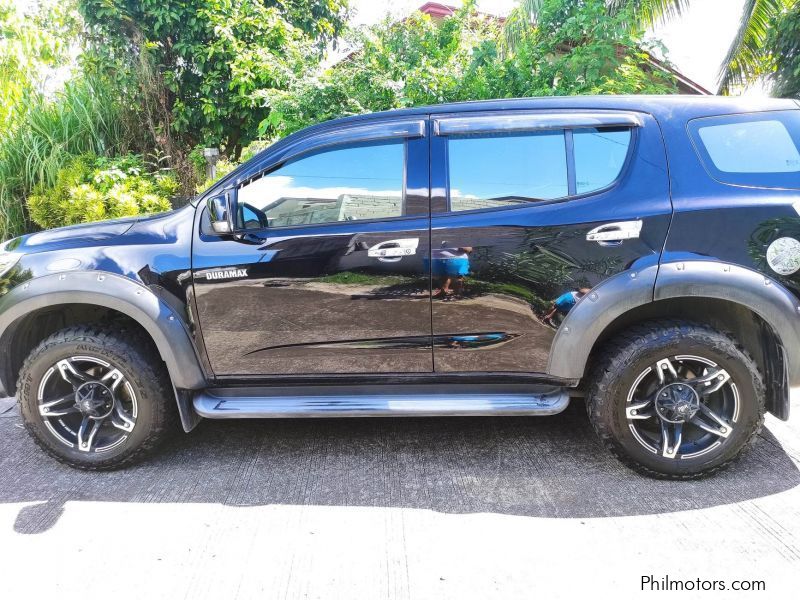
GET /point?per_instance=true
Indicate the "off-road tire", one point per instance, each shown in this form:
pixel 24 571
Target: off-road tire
pixel 124 349
pixel 625 356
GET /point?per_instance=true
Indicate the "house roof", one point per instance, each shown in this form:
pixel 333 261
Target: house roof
pixel 435 9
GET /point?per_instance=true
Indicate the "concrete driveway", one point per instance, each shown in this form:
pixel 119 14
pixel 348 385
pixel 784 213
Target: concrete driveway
pixel 393 508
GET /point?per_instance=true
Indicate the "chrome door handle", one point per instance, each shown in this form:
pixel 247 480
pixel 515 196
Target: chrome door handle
pixel 394 250
pixel 614 233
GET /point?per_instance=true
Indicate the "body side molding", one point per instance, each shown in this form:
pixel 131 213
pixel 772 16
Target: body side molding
pixel 110 291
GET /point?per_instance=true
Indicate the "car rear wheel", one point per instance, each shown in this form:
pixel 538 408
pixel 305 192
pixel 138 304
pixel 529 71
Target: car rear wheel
pixel 94 399
pixel 676 400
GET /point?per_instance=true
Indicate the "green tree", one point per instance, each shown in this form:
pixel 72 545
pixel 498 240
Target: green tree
pixel 783 47
pixel 579 47
pixel 747 58
pixel 32 44
pixel 200 67
pixel 574 48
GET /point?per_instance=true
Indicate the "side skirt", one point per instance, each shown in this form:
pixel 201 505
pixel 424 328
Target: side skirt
pixel 380 401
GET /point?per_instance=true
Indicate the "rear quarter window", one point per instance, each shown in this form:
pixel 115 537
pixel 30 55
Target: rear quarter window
pixel 754 150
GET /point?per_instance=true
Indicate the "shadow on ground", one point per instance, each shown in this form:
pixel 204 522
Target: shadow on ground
pixel 539 467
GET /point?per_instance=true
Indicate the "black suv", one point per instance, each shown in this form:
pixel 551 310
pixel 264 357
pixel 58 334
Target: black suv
pixel 487 258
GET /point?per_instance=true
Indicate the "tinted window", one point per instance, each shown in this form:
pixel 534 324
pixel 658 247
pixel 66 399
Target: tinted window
pixel 759 149
pixel 599 156
pixel 348 183
pixel 503 170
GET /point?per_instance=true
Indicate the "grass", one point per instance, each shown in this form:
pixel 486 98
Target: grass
pixel 83 118
pixel 352 278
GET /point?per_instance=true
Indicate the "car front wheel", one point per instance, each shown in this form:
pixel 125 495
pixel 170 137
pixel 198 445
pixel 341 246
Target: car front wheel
pixel 676 400
pixel 94 399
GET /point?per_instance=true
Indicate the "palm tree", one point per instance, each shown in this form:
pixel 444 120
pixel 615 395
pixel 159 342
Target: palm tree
pixel 745 59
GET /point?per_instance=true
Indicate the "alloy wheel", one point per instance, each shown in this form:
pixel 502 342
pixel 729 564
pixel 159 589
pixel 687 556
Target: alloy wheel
pixel 682 407
pixel 87 403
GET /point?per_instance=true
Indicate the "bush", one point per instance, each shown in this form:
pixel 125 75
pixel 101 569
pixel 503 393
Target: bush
pixel 91 188
pixel 84 118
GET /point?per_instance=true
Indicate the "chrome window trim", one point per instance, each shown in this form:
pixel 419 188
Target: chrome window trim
pixel 481 124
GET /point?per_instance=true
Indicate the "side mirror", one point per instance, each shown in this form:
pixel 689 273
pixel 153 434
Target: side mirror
pixel 220 213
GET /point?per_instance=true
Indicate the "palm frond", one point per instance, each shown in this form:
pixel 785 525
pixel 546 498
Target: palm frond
pixel 650 12
pixel 645 13
pixel 519 21
pixel 745 58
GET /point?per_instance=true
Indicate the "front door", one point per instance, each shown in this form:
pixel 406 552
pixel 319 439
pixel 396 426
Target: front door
pixel 329 272
pixel 530 211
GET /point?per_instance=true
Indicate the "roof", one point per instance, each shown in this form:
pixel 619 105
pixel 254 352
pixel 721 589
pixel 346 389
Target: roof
pixel 435 9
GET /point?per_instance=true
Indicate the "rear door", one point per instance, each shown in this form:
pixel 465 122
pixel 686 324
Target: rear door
pixel 328 272
pixel 530 211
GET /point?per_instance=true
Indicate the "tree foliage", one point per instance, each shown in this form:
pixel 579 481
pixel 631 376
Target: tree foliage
pixel 572 48
pixel 32 43
pixel 783 46
pixel 201 67
pixel 747 59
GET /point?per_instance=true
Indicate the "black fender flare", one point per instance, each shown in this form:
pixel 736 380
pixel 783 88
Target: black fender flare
pixel 763 295
pixel 162 323
pixel 585 323
pixel 588 319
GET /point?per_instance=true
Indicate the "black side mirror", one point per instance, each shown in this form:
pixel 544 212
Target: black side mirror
pixel 220 213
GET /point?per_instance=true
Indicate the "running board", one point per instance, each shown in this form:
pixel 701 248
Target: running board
pixel 378 401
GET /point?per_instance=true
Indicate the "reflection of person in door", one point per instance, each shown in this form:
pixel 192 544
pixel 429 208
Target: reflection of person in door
pixel 450 266
pixel 564 303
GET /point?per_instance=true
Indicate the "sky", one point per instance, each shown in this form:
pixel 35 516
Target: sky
pixel 696 42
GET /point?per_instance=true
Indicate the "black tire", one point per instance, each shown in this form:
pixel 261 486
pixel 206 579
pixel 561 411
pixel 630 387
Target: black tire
pixel 154 414
pixel 621 365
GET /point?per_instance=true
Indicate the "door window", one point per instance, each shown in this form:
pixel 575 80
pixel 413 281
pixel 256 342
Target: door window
pixel 599 156
pixel 488 171
pixel 346 183
pixel 506 169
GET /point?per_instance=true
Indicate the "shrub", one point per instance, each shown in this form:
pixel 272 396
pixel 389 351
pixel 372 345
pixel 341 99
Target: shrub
pixel 91 188
pixel 84 118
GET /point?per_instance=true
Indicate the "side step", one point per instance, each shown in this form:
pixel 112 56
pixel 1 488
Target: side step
pixel 379 401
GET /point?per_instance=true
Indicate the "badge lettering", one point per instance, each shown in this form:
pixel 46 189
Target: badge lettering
pixel 226 274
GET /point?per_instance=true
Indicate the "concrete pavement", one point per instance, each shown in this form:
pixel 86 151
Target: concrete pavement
pixel 392 508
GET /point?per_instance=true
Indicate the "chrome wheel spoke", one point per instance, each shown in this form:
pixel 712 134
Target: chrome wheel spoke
pixel 711 422
pixel 690 408
pixel 711 381
pixel 59 407
pixel 70 374
pixel 113 379
pixel 640 410
pixel 121 419
pixel 671 437
pixel 665 368
pixel 87 433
